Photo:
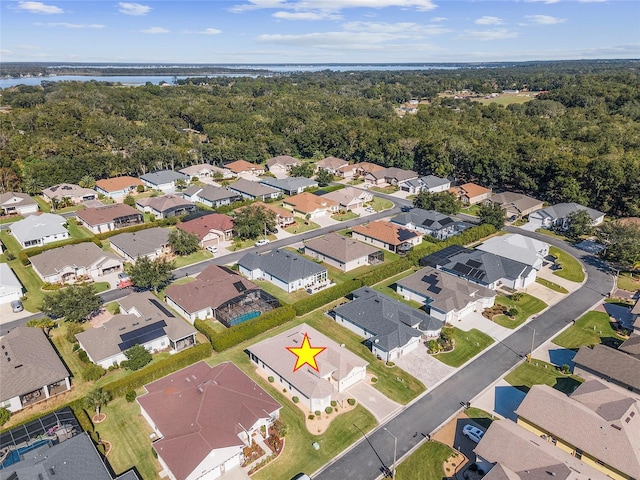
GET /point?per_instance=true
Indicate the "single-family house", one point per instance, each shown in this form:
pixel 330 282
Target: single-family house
pixel 206 170
pixel 204 417
pixel 348 171
pixel 557 216
pixel 284 269
pixel 109 217
pixel 164 180
pixel 143 320
pixel 596 423
pixel 349 198
pixel 471 193
pixel 282 164
pixel 243 167
pixel 387 235
pixel 284 217
pixel 290 185
pixel 254 190
pixel 428 183
pixel 480 267
pixel 508 451
pixel 390 176
pixel 37 230
pixel 14 203
pixel 211 229
pixel 72 263
pixel 10 286
pixel 391 328
pixel 363 168
pixel 151 243
pixel 517 247
pixel 211 196
pixel 609 364
pixel 118 187
pixel 446 297
pixel 307 203
pixel 430 222
pixel 69 191
pixel 342 252
pixel 219 293
pixel 338 367
pixel 30 369
pixel 331 164
pixel 515 205
pixel 166 206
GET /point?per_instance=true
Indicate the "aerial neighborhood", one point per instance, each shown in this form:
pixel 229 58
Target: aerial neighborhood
pixel 207 321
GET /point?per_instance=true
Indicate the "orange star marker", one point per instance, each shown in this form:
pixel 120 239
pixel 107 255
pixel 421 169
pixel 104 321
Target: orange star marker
pixel 306 354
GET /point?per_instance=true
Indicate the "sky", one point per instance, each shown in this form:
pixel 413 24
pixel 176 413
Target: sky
pixel 317 31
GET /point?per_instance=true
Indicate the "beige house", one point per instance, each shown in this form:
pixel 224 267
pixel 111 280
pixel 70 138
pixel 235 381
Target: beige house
pixel 471 193
pixel 281 165
pixel 75 193
pixel 349 198
pixel 516 205
pixel 211 229
pixel 342 252
pixel 387 235
pixel 332 164
pixel 309 204
pixel 109 217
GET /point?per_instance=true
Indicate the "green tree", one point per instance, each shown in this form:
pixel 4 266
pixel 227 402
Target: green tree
pixel 252 221
pixel 87 182
pixel 622 242
pixel 324 177
pixel 303 170
pixel 74 303
pixel 137 357
pixel 4 415
pixel 151 274
pixel 46 324
pixel 578 224
pixel 96 399
pixel 492 214
pixel 129 200
pixel 183 242
pixel 443 202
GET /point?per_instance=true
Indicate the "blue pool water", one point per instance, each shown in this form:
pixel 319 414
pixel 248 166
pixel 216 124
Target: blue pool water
pixel 14 455
pixel 244 317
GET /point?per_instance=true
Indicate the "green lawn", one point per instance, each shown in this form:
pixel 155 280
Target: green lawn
pixel 526 306
pixel 388 190
pixel 11 219
pixel 32 283
pixel 425 463
pixel 100 287
pixel 628 282
pixel 345 216
pixel 471 210
pixel 388 287
pixel 195 257
pixel 280 294
pixel 541 373
pixel 553 286
pixel 482 418
pixel 571 268
pixel 551 233
pixel 505 100
pixel 76 230
pixel 467 345
pixel 300 226
pixel 112 307
pixel 44 206
pixel 380 204
pixel 591 329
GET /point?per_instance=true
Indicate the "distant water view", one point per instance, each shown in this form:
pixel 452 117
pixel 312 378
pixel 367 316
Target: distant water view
pixel 137 80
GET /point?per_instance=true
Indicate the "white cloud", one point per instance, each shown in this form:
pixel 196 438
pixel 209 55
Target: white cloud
pixel 548 2
pixel 282 15
pixel 5 52
pixel 154 30
pixel 133 8
pixel 545 19
pixel 401 28
pixel 39 7
pixel 486 35
pixel 93 26
pixel 210 31
pixel 592 1
pixel 331 5
pixel 439 19
pixel 350 40
pixel 489 21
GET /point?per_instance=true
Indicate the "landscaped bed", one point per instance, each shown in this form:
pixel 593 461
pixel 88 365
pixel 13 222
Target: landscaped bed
pixel 514 310
pixel 466 346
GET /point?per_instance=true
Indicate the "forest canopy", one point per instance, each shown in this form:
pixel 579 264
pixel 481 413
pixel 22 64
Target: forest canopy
pixel 577 140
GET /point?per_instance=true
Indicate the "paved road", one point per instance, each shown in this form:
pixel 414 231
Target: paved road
pixel 428 412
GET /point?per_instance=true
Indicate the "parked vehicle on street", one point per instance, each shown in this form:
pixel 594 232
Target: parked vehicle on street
pixel 262 242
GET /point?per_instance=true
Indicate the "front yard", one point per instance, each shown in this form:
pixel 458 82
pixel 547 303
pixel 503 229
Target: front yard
pixel 301 226
pixel 542 373
pixel 380 204
pixel 570 269
pixel 467 345
pixel 553 286
pixel 343 217
pixel 591 329
pixel 628 282
pixel 426 463
pixel 524 304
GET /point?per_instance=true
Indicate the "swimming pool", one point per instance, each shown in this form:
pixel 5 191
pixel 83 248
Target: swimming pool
pixel 15 455
pixel 244 317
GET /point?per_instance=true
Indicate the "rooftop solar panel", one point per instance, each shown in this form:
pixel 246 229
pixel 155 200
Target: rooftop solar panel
pixel 239 287
pixel 161 307
pixel 142 335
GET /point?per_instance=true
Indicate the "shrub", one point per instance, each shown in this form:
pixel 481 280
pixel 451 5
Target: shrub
pixel 9 256
pixel 130 396
pixel 82 355
pixel 326 296
pixel 4 415
pixel 93 372
pixel 566 369
pixel 517 296
pixel 333 403
pixel 137 357
pixel 270 378
pixel 318 413
pixel 311 416
pixel 328 410
pixel 434 346
pixel 513 311
pixel 140 188
pixel 384 271
pixel 295 399
pixel 374 379
pixel 351 401
pixel 76 347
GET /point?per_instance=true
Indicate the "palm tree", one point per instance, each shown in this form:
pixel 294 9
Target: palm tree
pixel 97 398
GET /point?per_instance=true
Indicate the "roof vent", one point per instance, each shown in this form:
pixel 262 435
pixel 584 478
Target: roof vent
pixel 617 427
pixel 188 380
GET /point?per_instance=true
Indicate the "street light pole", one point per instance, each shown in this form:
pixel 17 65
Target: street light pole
pixel 395 451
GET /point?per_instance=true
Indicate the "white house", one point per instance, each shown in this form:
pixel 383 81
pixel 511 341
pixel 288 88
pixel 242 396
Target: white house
pixel 517 247
pixel 428 183
pixel 164 180
pixel 10 286
pixel 37 230
pixel 205 170
pixel 14 203
pixel 342 252
pixel 558 216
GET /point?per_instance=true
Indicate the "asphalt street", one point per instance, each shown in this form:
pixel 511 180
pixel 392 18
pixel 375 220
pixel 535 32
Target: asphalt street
pixel 411 425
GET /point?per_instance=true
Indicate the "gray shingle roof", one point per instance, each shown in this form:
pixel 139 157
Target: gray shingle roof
pixel 163 176
pixel 282 264
pixel 484 267
pixel 427 218
pixel 253 189
pixel 391 322
pixel 339 247
pixel 144 242
pixel 214 194
pixel 610 363
pixel 84 254
pixel 28 361
pixel 8 278
pixel 563 210
pixel 166 203
pixel 428 182
pixel 289 184
pixel 38 226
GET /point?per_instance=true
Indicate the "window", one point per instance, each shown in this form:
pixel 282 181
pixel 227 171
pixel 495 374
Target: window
pixel 578 453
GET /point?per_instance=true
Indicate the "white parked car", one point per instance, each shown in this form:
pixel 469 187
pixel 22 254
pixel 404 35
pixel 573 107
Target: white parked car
pixel 262 242
pixel 473 433
pixel 212 249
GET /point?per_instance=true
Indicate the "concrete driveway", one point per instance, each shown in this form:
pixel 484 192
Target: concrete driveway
pixel 7 314
pixel 374 401
pixel 424 367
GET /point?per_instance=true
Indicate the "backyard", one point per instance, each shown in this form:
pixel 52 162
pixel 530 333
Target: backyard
pixel 591 329
pixel 542 373
pixel 570 269
pixel 468 344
